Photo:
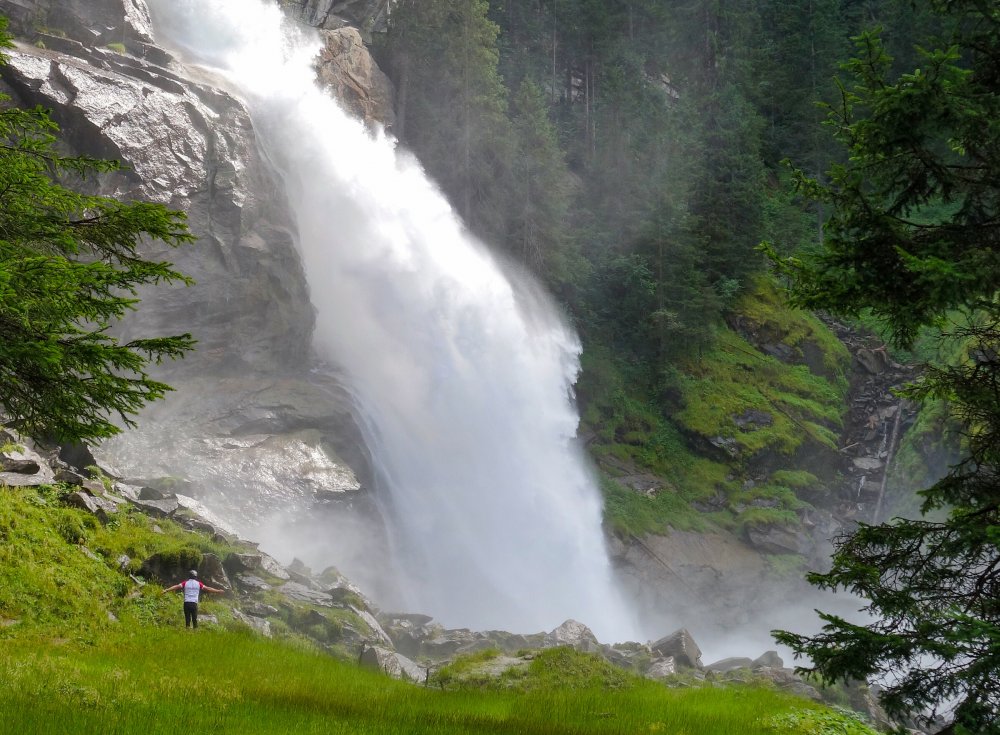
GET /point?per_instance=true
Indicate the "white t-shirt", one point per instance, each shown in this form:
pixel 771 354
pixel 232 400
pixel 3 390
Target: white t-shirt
pixel 192 589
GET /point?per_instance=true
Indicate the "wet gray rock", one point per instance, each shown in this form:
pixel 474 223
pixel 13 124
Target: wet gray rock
pixel 390 663
pixel 769 659
pixel 681 646
pixel 192 147
pixel 302 593
pixel 21 465
pixel 788 681
pixel 251 583
pixel 158 508
pixel 367 15
pixel 347 70
pixel 151 493
pixel 574 634
pixel 87 21
pixel 259 609
pixel 257 624
pixel 662 668
pixel 730 664
pixel 242 562
pixel 99 507
pixel 212 573
pixel 377 634
pixel 774 538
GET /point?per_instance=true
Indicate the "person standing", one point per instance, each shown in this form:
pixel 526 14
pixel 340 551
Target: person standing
pixel 192 588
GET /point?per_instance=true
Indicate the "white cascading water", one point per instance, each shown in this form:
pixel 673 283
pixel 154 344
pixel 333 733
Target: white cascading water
pixel 464 373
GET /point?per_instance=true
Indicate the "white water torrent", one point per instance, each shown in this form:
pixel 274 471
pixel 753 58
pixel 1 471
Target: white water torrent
pixel 464 373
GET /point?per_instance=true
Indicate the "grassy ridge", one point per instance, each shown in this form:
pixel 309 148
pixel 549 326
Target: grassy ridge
pixel 157 680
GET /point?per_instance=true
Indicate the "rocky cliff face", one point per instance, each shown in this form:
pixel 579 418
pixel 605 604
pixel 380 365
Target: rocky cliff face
pixel 255 421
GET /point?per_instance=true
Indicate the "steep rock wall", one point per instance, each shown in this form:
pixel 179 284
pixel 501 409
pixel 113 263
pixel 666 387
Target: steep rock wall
pixel 256 425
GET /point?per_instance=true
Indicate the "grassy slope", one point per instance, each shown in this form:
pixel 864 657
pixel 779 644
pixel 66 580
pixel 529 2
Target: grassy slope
pixel 67 667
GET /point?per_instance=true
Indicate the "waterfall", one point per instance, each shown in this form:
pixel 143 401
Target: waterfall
pixel 463 373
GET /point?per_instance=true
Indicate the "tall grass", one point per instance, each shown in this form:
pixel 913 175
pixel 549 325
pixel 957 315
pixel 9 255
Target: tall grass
pixel 150 681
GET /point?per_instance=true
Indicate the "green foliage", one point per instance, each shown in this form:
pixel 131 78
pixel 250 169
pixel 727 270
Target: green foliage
pixel 463 670
pixel 765 310
pixel 912 238
pixel 442 55
pixel 117 47
pixel 629 513
pixel 734 379
pixel 69 269
pixel 814 722
pixel 915 143
pixel 47 579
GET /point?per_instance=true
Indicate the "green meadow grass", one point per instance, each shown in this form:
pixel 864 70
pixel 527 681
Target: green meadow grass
pixel 86 650
pixel 153 680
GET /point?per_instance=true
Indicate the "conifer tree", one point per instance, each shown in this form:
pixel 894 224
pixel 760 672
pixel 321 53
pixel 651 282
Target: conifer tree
pixel 915 237
pixel 70 267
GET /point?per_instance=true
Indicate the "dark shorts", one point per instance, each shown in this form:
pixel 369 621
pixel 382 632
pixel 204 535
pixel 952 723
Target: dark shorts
pixel 190 614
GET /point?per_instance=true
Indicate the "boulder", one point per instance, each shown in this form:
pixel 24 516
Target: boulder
pixel 730 664
pixel 170 568
pixel 575 634
pixel 78 456
pixel 69 477
pixel 212 573
pixel 627 655
pixel 661 668
pixel 22 466
pixel 376 630
pixel 774 538
pixel 260 625
pixel 769 659
pixel 381 659
pixel 99 507
pixel 198 524
pixel 259 609
pixel 158 508
pixel 237 562
pixel 243 562
pixel 151 493
pixel 681 646
pixel 873 361
pixel 787 681
pixel 297 591
pixel 273 567
pixel 251 583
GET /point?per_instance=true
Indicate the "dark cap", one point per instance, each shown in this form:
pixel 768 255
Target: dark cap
pixel 193 573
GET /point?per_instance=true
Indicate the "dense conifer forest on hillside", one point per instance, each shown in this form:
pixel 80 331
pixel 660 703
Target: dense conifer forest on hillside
pixel 630 153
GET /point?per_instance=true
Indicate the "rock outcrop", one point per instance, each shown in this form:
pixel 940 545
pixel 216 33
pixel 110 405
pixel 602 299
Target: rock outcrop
pixel 366 15
pixel 347 69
